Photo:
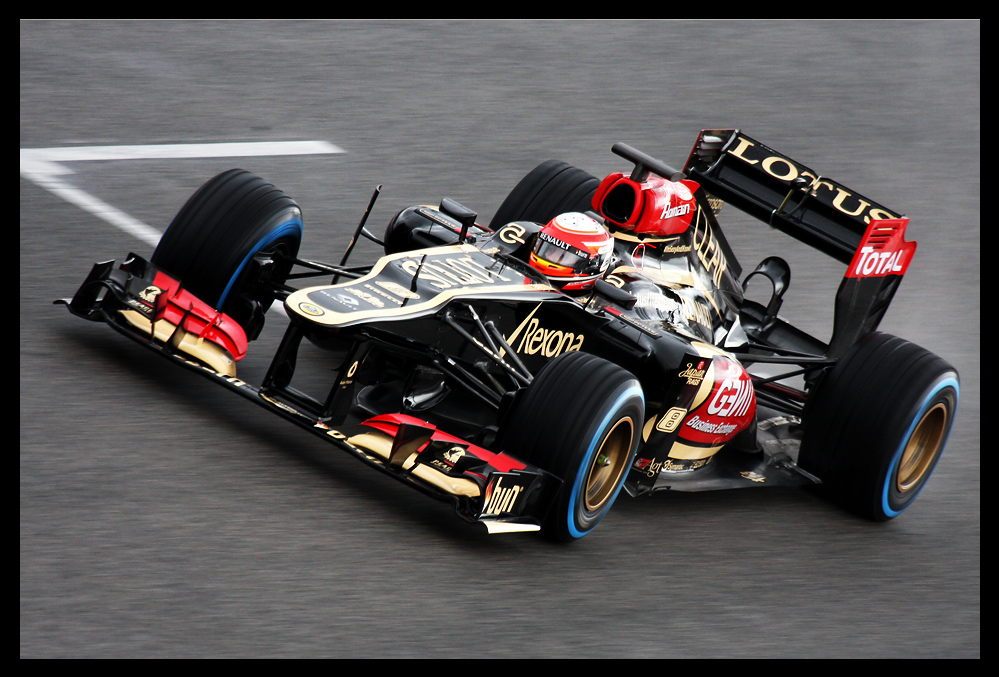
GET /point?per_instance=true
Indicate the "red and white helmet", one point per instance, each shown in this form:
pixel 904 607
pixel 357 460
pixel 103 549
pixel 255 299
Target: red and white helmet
pixel 572 251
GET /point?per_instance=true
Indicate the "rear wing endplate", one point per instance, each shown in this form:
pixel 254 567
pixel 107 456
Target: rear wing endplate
pixel 782 192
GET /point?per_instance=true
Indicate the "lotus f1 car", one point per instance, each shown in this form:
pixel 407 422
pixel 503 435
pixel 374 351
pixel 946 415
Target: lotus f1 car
pixel 460 370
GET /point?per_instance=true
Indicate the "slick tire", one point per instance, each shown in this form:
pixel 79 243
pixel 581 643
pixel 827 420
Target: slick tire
pixel 210 244
pixel 580 419
pixel 877 424
pixel 550 189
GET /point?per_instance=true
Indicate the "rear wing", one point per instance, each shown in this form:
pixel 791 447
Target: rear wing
pixel 782 192
pixel 818 211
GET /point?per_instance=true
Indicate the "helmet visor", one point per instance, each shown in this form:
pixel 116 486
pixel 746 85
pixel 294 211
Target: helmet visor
pixel 559 255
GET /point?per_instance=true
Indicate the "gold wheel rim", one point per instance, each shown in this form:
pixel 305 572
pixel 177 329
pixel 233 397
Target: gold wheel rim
pixel 609 464
pixel 921 448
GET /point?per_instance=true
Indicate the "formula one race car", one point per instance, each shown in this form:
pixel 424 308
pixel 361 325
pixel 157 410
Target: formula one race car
pixel 594 336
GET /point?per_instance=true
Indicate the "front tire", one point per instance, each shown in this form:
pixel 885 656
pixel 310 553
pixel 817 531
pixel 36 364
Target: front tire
pixel 877 424
pixel 581 420
pixel 211 242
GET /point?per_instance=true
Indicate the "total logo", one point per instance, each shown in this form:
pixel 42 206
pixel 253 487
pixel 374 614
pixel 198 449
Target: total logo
pixel 872 263
pixel 883 251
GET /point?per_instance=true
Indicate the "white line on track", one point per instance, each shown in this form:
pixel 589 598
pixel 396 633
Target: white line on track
pixel 42 166
pixel 99 208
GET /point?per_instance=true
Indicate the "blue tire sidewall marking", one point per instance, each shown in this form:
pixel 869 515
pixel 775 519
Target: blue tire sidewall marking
pixel 292 227
pixel 577 487
pixel 897 458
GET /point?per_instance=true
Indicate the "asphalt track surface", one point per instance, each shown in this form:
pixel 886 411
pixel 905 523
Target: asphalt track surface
pixel 163 517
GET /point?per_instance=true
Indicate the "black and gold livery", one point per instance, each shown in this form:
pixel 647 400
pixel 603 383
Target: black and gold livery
pixel 459 370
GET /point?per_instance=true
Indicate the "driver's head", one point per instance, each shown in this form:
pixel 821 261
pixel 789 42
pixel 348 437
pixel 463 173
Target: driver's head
pixel 572 251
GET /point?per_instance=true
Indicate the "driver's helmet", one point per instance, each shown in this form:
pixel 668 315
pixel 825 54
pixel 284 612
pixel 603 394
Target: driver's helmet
pixel 572 251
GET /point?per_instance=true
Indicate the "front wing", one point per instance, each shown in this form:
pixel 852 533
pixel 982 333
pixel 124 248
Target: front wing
pixel 496 490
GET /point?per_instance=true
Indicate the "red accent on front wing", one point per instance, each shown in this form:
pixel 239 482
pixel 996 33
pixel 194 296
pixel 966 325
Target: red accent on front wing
pixel 180 307
pixel 389 424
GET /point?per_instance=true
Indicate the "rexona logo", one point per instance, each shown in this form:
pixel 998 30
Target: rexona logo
pixel 530 338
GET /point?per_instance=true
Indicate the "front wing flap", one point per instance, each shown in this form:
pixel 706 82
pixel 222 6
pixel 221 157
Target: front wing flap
pixel 496 489
pixel 140 300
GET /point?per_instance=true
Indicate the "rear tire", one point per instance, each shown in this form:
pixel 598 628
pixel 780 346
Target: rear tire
pixel 877 424
pixel 589 441
pixel 211 242
pixel 550 189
